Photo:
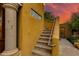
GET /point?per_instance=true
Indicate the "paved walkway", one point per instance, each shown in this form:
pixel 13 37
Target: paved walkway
pixel 67 49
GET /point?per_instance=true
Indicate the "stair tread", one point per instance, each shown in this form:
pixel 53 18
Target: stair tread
pixel 40 52
pixel 46 34
pixel 46 30
pixel 44 38
pixel 43 46
pixel 43 41
pixel 34 54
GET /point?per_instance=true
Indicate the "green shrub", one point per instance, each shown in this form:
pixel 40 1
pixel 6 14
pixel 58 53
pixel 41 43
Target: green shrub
pixel 72 39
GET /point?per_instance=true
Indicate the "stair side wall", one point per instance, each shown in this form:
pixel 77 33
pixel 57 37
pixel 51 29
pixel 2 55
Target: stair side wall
pixel 55 39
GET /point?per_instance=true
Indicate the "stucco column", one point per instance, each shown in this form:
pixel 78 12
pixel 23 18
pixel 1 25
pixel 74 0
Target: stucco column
pixel 10 28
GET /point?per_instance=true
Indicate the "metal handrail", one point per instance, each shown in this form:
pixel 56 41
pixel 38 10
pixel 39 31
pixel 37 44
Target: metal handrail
pixel 50 38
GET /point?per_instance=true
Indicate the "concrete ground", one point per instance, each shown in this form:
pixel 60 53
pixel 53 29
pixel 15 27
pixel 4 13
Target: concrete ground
pixel 67 49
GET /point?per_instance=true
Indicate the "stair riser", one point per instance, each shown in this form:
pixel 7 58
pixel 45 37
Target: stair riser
pixel 44 52
pixel 46 32
pixel 43 48
pixel 44 39
pixel 43 44
pixel 45 35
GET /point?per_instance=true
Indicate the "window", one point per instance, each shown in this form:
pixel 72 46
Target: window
pixel 35 14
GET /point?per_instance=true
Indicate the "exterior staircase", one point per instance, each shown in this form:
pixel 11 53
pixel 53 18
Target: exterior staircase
pixel 44 44
pixel 42 48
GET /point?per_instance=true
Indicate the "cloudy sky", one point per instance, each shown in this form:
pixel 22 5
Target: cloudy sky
pixel 64 10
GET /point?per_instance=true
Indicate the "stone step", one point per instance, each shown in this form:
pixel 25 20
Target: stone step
pixel 42 41
pixel 43 46
pixel 46 32
pixel 33 54
pixel 43 38
pixel 46 35
pixel 40 52
pixel 40 49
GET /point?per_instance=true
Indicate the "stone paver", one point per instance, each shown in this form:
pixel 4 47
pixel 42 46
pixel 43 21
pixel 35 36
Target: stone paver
pixel 67 49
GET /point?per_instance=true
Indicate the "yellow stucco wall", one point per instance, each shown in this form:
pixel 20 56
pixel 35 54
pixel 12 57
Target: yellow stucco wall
pixel 29 27
pixel 55 39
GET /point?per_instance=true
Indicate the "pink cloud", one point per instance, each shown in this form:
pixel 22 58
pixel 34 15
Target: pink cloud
pixel 64 10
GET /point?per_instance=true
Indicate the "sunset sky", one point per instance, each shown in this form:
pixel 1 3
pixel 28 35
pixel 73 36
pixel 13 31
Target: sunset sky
pixel 63 10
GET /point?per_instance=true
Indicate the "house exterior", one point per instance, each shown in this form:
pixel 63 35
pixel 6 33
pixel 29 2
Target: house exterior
pixel 65 31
